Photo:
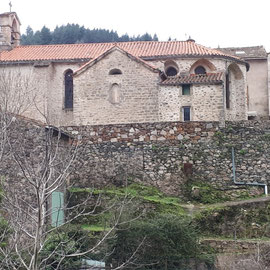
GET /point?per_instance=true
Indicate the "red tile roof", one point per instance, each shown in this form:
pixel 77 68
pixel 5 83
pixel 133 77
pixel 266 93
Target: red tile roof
pixel 142 49
pixel 209 78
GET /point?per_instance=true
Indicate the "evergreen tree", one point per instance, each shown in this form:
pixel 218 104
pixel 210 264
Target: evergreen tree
pixel 28 37
pixel 73 33
pixel 45 36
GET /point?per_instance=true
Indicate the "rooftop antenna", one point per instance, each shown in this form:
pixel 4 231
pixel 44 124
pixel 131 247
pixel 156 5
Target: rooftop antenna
pixel 10 6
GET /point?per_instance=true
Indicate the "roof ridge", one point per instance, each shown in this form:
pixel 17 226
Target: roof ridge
pixel 87 51
pixel 102 43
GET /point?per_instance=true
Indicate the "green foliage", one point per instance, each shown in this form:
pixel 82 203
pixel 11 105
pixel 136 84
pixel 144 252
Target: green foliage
pixel 1 194
pixel 166 242
pixel 242 152
pixel 94 228
pixel 204 193
pixel 266 137
pixel 245 221
pixel 142 196
pixel 67 240
pixel 73 33
pixel 4 232
pixel 219 136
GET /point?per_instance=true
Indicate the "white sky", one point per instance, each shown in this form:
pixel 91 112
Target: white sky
pixel 210 22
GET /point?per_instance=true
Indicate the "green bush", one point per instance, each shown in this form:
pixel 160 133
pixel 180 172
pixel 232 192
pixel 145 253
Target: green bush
pixel 205 193
pixel 65 241
pixel 166 242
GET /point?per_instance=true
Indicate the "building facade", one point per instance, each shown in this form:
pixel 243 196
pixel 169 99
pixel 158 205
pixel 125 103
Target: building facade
pixel 257 79
pixel 129 82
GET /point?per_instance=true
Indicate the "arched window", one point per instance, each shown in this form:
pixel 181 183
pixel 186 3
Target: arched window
pixel 228 91
pixel 233 75
pixel 69 89
pixel 200 70
pixel 171 68
pixel 115 71
pixel 115 94
pixel 13 32
pixel 171 71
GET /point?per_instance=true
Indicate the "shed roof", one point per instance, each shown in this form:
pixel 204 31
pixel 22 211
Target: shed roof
pixel 209 78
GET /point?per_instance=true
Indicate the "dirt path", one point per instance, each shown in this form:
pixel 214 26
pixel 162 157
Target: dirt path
pixel 194 208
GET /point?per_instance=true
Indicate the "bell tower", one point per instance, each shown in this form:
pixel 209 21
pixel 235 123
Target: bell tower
pixel 9 31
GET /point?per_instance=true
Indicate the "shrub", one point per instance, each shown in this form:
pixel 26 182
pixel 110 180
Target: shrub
pixel 166 242
pixel 65 241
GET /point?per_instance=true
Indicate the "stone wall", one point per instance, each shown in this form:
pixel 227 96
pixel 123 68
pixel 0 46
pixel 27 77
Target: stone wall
pixel 207 102
pixel 139 96
pixel 41 92
pixel 156 154
pixel 165 155
pixel 172 101
pixel 257 87
pixel 238 93
pixel 137 92
pixel 268 85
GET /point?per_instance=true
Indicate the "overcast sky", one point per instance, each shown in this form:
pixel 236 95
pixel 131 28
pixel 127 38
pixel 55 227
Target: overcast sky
pixel 212 23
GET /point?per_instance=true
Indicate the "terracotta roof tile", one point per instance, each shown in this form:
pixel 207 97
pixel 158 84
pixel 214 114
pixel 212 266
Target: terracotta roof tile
pixel 142 49
pixel 209 78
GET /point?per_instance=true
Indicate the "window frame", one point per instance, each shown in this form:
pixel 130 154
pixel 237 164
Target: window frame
pixel 201 67
pixel 228 91
pixel 115 94
pixel 171 68
pixel 183 90
pixel 183 113
pixel 68 90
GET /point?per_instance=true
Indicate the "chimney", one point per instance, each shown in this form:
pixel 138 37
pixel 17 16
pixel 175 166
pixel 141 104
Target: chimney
pixel 191 39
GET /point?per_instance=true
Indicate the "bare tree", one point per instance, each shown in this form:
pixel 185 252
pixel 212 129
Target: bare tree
pixel 36 165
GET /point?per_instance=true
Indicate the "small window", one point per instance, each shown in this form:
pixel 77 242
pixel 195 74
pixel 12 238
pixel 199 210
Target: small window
pixel 69 89
pixel 171 71
pixel 200 70
pixel 186 89
pixel 186 113
pixel 114 96
pixel 228 91
pixel 115 71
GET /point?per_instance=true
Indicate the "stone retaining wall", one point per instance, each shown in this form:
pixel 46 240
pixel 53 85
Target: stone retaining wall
pixel 160 153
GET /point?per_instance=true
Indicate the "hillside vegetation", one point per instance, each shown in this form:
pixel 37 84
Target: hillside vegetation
pixel 188 229
pixel 74 33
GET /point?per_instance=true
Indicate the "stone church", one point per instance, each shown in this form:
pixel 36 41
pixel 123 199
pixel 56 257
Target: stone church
pixel 129 82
